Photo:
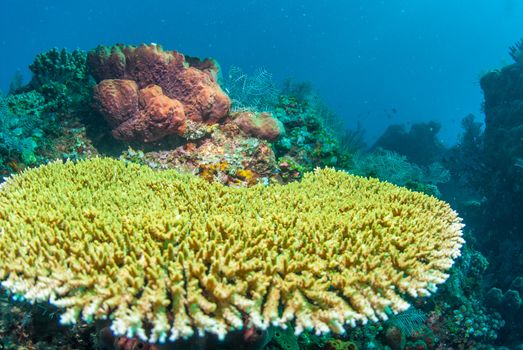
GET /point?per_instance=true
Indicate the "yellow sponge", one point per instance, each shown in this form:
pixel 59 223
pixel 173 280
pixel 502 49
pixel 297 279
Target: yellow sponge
pixel 163 255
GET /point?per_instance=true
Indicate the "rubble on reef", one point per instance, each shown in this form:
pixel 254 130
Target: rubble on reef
pixel 226 156
pixel 166 110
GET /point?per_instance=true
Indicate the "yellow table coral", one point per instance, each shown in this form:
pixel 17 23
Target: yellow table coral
pixel 163 255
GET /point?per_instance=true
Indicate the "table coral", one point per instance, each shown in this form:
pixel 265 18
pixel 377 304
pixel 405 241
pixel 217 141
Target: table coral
pixel 189 81
pixel 162 255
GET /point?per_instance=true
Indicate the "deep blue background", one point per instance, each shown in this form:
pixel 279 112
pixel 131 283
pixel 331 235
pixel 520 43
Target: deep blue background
pixel 420 57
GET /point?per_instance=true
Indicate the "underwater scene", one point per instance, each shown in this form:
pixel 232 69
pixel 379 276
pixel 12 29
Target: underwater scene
pixel 265 175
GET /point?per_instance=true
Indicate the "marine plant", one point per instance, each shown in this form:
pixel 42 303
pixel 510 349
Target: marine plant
pixel 395 168
pixel 408 321
pixel 516 51
pixel 352 141
pixel 466 160
pixel 257 92
pixel 163 255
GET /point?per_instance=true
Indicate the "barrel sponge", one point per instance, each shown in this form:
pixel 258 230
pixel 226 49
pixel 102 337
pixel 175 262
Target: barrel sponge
pixel 164 255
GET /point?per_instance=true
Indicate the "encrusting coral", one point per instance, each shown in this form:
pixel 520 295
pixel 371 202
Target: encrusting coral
pixel 162 255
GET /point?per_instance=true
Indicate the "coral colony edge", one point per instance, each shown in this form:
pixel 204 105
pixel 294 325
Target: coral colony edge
pixel 151 201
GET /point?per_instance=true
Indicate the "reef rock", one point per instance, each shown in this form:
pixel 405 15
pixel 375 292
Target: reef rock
pixel 187 83
pixel 503 160
pixel 221 153
pixel 503 90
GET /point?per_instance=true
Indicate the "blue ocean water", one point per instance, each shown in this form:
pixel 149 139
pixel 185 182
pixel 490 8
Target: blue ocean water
pixel 422 59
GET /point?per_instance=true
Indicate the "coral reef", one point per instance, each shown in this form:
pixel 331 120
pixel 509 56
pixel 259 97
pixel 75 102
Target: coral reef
pixel 392 167
pixel 313 136
pixel 189 81
pixel 45 119
pixel 25 326
pixel 62 78
pixel 239 148
pixel 485 168
pixel 420 144
pixel 503 146
pixel 458 317
pixel 338 344
pixel 274 135
pixel 246 145
pixel 307 140
pixel 468 173
pixel 509 305
pixel 282 339
pixel 408 321
pixel 142 105
pixel 21 125
pixel 248 338
pixel 467 326
pixel 30 133
pixel 58 66
pixel 221 153
pixel 317 266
